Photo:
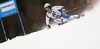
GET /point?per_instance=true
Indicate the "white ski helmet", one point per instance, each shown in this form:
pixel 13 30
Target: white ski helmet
pixel 47 6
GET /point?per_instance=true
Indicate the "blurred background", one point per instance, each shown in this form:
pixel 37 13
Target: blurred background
pixel 33 15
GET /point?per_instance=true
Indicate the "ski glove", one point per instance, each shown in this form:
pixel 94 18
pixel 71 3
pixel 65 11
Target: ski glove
pixel 48 26
pixel 63 11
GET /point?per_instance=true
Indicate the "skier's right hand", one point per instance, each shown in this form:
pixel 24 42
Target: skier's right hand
pixel 63 11
pixel 48 26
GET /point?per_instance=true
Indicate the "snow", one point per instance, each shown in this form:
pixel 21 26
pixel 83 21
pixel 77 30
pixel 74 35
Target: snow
pixel 83 33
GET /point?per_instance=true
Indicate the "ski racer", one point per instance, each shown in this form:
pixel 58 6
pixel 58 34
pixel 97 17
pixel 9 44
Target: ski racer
pixel 56 15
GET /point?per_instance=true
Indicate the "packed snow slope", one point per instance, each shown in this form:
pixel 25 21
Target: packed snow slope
pixel 83 33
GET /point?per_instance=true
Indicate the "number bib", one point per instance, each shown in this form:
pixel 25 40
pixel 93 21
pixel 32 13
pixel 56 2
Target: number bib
pixel 55 14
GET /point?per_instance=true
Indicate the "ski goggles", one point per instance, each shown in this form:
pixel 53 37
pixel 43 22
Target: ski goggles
pixel 49 7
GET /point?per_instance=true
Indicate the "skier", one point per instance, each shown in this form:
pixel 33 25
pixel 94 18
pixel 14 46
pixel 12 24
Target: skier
pixel 56 15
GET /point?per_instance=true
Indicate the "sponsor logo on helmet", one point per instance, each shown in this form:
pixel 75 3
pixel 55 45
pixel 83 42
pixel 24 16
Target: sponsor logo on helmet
pixel 45 5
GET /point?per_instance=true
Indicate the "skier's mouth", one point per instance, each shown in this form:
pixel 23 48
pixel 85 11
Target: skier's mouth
pixel 49 11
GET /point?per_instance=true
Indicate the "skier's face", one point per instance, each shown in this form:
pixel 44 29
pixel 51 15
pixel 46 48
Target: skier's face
pixel 49 10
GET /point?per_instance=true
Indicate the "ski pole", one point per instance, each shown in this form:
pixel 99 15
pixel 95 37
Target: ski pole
pixel 81 6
